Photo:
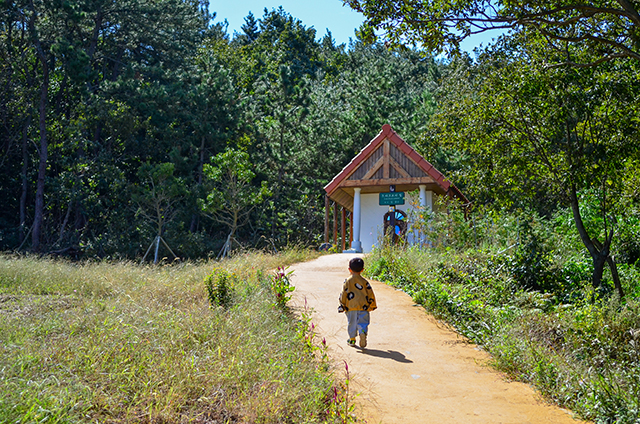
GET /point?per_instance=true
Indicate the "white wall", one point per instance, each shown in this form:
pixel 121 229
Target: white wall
pixel 371 220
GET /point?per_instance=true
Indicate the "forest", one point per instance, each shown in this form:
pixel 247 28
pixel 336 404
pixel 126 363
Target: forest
pixel 131 120
pixel 123 121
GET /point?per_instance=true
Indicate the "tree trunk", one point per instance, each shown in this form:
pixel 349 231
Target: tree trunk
pixel 25 182
pixel 598 261
pixel 599 252
pixel 616 277
pixel 598 270
pixel 195 217
pixel 43 152
pixel 65 221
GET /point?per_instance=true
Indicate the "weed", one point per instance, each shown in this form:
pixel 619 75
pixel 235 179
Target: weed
pixel 219 286
pixel 340 405
pixel 281 286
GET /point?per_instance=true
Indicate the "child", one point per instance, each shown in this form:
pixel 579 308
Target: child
pixel 356 300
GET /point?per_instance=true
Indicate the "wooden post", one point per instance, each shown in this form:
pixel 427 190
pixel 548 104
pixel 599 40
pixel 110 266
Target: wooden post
pixel 335 224
pixel 327 205
pixel 350 229
pixel 343 229
pixel 386 155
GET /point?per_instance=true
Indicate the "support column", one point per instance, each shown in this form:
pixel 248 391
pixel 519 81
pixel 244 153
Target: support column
pixel 335 224
pixel 426 198
pixel 350 228
pixel 343 229
pixel 423 196
pixel 426 202
pixel 356 244
pixel 327 205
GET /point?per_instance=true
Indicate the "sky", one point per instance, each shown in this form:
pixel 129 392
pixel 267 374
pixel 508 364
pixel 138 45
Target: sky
pixel 341 20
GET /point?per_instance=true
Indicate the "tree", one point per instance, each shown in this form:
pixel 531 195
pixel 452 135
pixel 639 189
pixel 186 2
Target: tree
pixel 18 73
pixel 250 30
pixel 72 51
pixel 609 28
pixel 157 197
pixel 233 196
pixel 205 115
pixel 571 130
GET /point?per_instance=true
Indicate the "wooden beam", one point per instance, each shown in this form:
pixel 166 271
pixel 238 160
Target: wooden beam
pixel 343 198
pixel 350 229
pixel 343 229
pixel 360 162
pixel 327 205
pixel 385 156
pixel 399 168
pixel 335 224
pixel 387 181
pixel 374 169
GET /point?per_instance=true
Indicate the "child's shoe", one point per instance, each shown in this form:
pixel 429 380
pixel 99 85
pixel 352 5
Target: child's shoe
pixel 363 340
pixel 351 342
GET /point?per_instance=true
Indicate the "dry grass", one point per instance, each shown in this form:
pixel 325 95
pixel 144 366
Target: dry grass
pixel 119 342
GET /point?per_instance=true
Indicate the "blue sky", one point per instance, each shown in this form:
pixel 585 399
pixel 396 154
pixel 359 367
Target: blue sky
pixel 342 21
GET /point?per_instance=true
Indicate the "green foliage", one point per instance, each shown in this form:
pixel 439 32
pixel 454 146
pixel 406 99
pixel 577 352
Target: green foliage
pixel 233 197
pixel 532 265
pixel 219 286
pixel 442 25
pixel 628 250
pixel 544 138
pixel 157 194
pixel 232 172
pixel 534 310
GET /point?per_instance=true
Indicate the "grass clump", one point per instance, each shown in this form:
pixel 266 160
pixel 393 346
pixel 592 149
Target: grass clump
pixel 219 286
pixel 528 300
pixel 118 342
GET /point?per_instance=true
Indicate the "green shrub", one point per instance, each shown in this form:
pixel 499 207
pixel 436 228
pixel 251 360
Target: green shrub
pixel 582 354
pixel 628 241
pixel 532 265
pixel 219 286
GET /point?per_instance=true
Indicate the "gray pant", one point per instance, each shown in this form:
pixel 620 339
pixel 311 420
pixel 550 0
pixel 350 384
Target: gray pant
pixel 357 322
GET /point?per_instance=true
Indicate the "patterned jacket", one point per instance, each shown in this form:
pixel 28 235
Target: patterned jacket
pixel 357 295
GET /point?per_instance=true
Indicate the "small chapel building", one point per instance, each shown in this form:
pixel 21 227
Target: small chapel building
pixel 371 191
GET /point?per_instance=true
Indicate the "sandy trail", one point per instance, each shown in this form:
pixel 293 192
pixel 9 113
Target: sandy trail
pixel 414 370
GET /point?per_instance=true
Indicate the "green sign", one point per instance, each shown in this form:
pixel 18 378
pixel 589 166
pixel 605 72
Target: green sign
pixel 394 198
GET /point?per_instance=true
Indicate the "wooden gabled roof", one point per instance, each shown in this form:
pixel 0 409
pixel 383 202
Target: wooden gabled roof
pixel 387 160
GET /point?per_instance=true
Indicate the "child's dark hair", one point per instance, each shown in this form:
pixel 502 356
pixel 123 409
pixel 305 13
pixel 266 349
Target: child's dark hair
pixel 356 264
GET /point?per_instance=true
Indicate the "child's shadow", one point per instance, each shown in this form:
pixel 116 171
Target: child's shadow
pixel 389 354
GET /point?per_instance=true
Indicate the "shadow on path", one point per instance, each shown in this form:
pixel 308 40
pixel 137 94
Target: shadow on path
pixel 389 354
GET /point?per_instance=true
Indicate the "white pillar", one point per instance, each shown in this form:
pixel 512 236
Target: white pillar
pixel 426 203
pixel 356 244
pixel 423 196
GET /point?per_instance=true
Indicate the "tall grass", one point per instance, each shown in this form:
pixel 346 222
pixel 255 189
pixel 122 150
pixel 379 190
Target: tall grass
pixel 527 298
pixel 119 342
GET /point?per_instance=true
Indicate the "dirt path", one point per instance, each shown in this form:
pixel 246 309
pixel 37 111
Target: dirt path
pixel 414 370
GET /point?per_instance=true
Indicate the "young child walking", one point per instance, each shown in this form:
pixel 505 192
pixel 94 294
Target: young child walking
pixel 356 301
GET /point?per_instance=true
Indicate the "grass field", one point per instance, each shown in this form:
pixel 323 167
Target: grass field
pixel 120 342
